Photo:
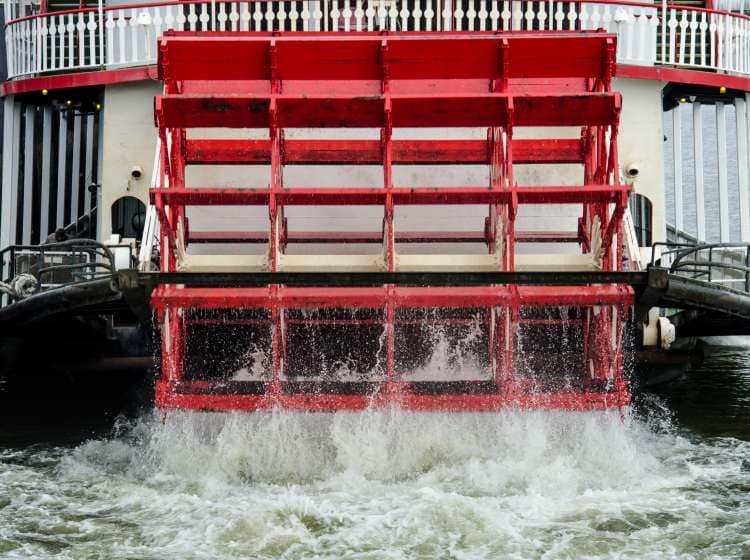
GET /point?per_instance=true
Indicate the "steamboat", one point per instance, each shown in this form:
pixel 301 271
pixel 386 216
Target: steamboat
pixel 323 205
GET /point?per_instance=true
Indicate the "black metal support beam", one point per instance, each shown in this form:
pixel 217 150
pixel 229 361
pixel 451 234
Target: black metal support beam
pixel 341 279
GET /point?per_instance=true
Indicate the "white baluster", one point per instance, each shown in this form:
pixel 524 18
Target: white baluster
pixel 404 14
pixel 52 44
pixel 541 15
pixel 728 54
pixel 81 36
pixel 71 29
pixel 585 17
pixel 447 16
pixel 458 17
pixel 334 15
pixel 221 19
pixel 270 17
pixel 471 15
pixel 355 14
pixel 516 14
pixel 572 16
pixel 293 16
pixel 596 17
pixel 712 47
pixel 506 15
pixel 23 47
pixel 26 64
pixel 169 19
pixel 317 15
pixel 429 15
pixel 191 17
pixel 653 34
pixel 671 29
pixel 257 18
pixel 181 17
pixel 204 17
pixel 683 25
pixel 61 32
pixel 158 23
pixel 608 19
pixel 36 44
pixel 133 24
pixel 15 48
pixel 494 15
pixel 641 33
pixel 44 34
pixel 382 13
pixel 720 63
pixel 33 43
pixel 392 16
pixel 22 40
pixel 483 13
pixel 693 27
pixel 305 16
pixel 559 17
pixel 703 28
pixel 370 16
pixel 528 16
pixel 11 50
pixel 93 43
pixel 19 27
pixel 29 50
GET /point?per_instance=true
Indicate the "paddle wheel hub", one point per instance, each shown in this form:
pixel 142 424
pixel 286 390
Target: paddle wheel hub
pixel 423 108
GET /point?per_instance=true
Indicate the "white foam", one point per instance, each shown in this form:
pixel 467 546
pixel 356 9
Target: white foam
pixel 382 484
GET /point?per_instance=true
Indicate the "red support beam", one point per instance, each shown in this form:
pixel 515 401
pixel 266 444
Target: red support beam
pixel 352 237
pixel 368 152
pixel 368 196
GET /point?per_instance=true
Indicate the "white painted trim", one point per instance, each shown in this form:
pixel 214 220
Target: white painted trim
pixel 99 166
pixel 677 165
pixel 28 175
pixel 700 196
pixel 62 152
pixel 721 143
pixel 10 168
pixel 75 182
pixel 89 163
pixel 743 169
pixel 46 164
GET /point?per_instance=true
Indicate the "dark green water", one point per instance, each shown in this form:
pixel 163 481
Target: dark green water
pixel 670 481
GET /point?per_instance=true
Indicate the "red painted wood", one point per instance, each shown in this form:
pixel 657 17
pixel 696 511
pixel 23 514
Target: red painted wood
pixel 385 82
pixel 345 56
pixel 168 397
pixel 412 111
pixel 370 196
pixel 377 237
pixel 368 152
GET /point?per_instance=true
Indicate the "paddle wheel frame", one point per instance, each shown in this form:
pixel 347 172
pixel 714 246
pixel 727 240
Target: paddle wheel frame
pixel 305 81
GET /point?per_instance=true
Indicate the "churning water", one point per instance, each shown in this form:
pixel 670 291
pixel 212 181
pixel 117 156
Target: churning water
pixel 394 485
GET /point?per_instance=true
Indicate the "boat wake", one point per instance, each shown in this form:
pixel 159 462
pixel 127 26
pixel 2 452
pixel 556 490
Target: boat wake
pixel 381 484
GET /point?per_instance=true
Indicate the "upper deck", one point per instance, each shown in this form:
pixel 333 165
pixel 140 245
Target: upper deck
pixel 658 41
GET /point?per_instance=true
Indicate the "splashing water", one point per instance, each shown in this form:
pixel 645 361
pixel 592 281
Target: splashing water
pixel 381 484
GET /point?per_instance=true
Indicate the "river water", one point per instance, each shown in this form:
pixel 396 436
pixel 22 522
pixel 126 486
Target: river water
pixel 672 480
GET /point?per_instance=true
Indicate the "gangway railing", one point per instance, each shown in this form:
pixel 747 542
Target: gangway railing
pixel 30 269
pixel 722 263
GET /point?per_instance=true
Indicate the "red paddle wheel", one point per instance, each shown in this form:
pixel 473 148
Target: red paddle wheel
pixel 303 101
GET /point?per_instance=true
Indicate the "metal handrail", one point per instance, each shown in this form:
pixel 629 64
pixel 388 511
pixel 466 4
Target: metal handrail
pixel 686 260
pixel 99 264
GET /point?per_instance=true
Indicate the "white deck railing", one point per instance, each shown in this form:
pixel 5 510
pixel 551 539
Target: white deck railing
pixel 122 36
